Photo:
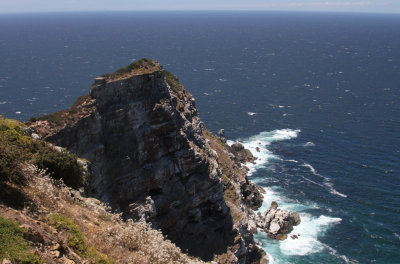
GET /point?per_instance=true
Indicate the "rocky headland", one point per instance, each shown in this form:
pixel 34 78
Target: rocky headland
pixel 152 160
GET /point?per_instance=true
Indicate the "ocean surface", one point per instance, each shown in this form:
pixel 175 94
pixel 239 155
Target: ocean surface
pixel 318 93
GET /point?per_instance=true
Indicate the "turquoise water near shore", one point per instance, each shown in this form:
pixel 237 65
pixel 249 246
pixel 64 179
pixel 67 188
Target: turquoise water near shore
pixel 319 93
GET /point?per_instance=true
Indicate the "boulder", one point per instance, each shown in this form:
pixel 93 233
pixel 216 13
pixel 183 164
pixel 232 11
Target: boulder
pixel 277 223
pixel 221 134
pixel 295 218
pixel 241 154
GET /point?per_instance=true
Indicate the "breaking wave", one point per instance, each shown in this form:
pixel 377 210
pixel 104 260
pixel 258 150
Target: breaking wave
pixel 311 226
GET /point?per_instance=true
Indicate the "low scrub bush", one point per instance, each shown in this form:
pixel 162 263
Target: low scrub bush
pixel 61 165
pixel 17 147
pixel 76 239
pixel 13 246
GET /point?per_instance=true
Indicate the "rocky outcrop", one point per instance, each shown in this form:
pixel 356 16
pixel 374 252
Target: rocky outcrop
pixel 277 223
pixel 141 132
pixel 241 154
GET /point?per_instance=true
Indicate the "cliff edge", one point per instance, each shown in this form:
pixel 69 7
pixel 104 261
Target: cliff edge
pixel 152 159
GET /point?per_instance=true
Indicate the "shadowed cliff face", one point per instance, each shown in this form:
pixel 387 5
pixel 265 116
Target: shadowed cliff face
pixel 149 158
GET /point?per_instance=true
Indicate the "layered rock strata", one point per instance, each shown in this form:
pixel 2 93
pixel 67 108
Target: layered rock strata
pixel 149 158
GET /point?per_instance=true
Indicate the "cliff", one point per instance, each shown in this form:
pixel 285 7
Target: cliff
pixel 44 221
pixel 152 159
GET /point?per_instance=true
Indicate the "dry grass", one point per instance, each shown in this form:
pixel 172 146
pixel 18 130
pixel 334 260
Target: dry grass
pixel 120 241
pixel 138 67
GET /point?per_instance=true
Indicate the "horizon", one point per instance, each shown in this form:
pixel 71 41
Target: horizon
pixel 332 6
pixel 200 11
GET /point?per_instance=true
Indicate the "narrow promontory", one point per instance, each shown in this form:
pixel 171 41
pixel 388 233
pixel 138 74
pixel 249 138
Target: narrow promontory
pixel 152 159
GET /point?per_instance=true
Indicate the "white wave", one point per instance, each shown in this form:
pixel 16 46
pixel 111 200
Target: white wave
pixel 307 232
pixel 258 146
pixel 209 69
pixel 313 182
pixel 270 259
pixel 309 144
pixel 18 112
pixel 251 113
pixel 333 191
pixel 311 227
pixel 327 184
pixel 311 168
pixel 397 235
pixel 4 102
pixel 334 253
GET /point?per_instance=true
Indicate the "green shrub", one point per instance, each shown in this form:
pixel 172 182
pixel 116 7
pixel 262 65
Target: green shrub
pixel 15 147
pixel 76 239
pixel 81 99
pixel 173 82
pixel 142 64
pixel 61 165
pixel 56 118
pixel 13 246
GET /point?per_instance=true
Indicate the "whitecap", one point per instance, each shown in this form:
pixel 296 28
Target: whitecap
pixel 251 113
pixel 326 181
pixel 308 231
pixel 270 259
pixel 295 161
pixel 258 146
pixel 18 112
pixel 309 144
pixel 314 171
pixel 4 102
pixel 334 253
pixel 209 69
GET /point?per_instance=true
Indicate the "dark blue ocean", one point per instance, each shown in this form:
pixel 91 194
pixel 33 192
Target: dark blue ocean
pixel 319 93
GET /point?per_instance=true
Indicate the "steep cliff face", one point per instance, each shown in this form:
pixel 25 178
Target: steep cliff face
pixel 149 159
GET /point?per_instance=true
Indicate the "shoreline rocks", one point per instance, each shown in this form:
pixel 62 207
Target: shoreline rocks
pixel 275 222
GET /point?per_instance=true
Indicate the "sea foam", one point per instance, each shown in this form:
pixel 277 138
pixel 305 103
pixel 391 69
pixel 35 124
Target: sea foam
pixel 311 226
pixel 258 146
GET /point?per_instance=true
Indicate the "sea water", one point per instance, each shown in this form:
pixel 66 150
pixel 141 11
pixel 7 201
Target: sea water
pixel 314 96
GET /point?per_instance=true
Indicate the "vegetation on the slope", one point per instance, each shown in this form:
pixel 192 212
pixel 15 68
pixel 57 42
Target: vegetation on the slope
pixel 76 239
pixel 97 235
pixel 17 147
pixel 61 165
pixel 173 82
pixel 138 67
pixel 59 118
pixel 229 170
pixel 13 246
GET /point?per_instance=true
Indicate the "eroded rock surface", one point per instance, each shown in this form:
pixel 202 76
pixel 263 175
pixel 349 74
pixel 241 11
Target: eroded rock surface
pixel 150 160
pixel 277 223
